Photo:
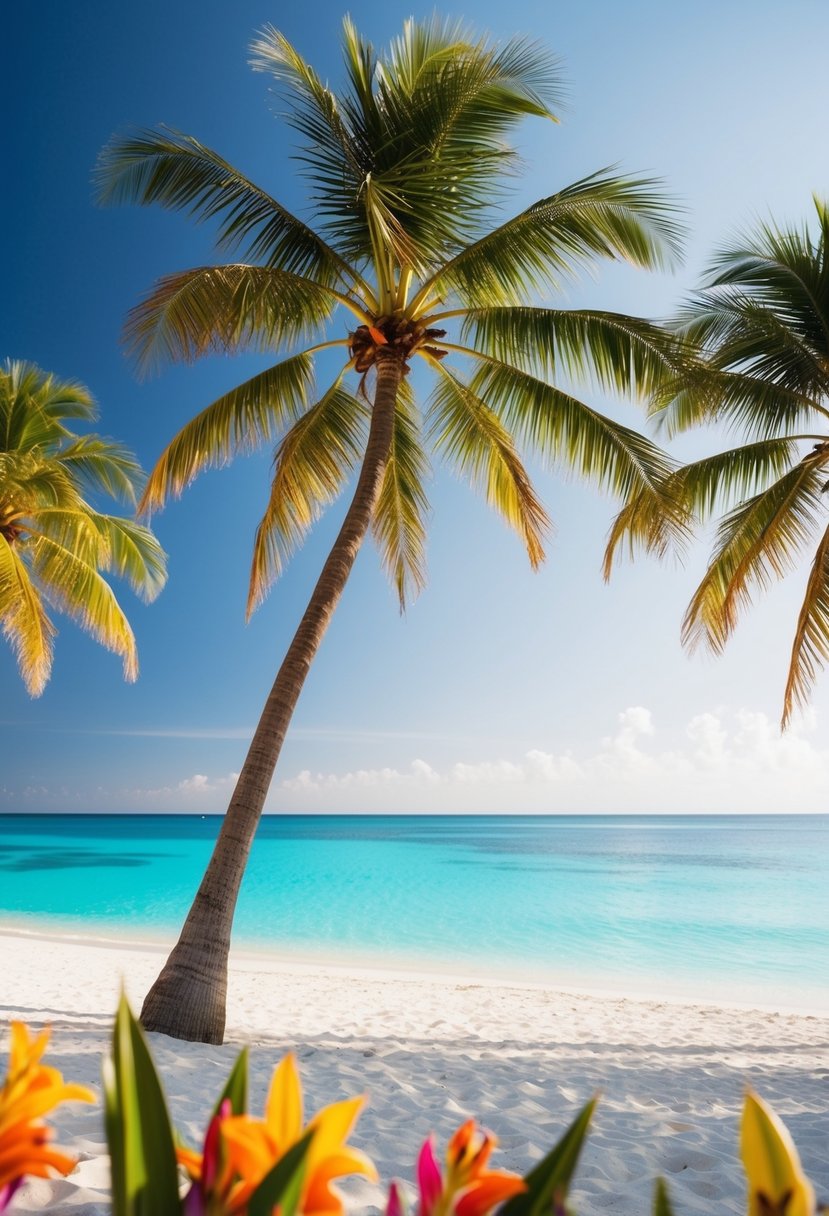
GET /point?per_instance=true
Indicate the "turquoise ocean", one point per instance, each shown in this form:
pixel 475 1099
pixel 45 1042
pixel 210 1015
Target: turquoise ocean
pixel 712 908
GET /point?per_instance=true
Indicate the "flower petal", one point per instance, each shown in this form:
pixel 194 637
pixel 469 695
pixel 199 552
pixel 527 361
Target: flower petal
pixel 429 1179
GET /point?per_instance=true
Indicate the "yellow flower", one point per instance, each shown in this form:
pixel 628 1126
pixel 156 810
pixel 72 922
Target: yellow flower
pixel 30 1091
pixel 777 1185
pixel 250 1148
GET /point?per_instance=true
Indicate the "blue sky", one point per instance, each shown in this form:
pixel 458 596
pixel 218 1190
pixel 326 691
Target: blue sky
pixel 500 690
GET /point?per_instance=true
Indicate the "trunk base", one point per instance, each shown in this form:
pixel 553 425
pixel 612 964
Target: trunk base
pixel 188 1002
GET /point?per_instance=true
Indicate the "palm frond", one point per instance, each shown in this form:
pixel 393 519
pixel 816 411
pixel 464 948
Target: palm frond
pixel 745 403
pixel 77 589
pixel 600 216
pixel 24 621
pixel 224 309
pixel 695 490
pixel 568 432
pixel 464 428
pixel 33 479
pixel 132 552
pixel 760 540
pixel 176 171
pixel 621 353
pixel 312 463
pixel 740 333
pixel 439 103
pixel 239 421
pixel 34 404
pixel 810 649
pixel 399 524
pixel 102 465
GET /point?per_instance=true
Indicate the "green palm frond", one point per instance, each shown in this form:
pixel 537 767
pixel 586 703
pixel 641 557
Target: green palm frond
pixel 102 465
pixel 175 170
pixel 810 650
pixel 224 309
pixel 464 428
pixel 312 463
pixel 600 216
pixel 696 490
pixel 25 623
pixel 740 332
pixel 568 432
pixel 33 479
pixel 436 107
pixel 76 588
pixel 757 542
pixel 132 552
pixel 761 320
pixel 237 422
pixel 744 402
pixel 717 482
pixel 33 405
pixel 621 353
pixel 399 524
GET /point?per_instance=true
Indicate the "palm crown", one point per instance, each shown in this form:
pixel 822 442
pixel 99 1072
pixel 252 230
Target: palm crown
pixel 762 321
pixel 54 545
pixel 404 167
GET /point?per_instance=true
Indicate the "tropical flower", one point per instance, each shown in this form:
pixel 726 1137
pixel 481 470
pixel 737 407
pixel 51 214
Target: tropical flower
pixel 467 1188
pixel 239 1151
pixel 777 1185
pixel 30 1091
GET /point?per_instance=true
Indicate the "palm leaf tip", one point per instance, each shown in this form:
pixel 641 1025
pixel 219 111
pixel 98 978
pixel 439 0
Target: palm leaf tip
pixel 810 648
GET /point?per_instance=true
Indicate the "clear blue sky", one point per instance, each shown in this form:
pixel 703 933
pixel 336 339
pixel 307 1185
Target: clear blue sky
pixel 500 689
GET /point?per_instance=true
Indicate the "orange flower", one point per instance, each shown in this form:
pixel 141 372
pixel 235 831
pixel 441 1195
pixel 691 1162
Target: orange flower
pixel 468 1187
pixel 30 1091
pixel 250 1148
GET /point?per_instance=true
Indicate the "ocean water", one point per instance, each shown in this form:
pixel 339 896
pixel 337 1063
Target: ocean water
pixel 720 908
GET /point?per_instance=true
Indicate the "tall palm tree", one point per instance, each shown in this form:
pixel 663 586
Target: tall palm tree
pixel 761 322
pixel 55 546
pixel 406 165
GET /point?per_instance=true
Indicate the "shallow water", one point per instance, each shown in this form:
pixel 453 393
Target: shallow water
pixel 723 908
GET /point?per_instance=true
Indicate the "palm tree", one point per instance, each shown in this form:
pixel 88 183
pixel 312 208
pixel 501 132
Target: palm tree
pixel 762 323
pixel 54 545
pixel 405 167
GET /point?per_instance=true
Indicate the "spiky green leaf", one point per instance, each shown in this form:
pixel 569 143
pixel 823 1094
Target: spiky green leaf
pixel 312 463
pixel 465 430
pixel 237 422
pixel 399 524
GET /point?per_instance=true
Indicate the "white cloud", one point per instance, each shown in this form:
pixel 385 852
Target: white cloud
pixel 721 762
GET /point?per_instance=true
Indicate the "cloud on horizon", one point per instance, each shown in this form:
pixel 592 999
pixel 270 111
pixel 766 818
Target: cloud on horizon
pixel 722 762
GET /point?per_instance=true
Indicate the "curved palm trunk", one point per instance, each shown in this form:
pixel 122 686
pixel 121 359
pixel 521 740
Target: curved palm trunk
pixel 188 998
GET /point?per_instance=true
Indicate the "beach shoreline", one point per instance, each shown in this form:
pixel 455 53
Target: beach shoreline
pixel 374 965
pixel 432 1050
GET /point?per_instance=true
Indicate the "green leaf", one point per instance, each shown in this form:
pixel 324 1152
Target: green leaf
pixel 464 428
pixel 661 1202
pixel 176 171
pixel 601 216
pixel 236 1087
pixel 239 421
pixel 312 463
pixel 283 1185
pixel 139 1134
pixel 399 523
pixel 549 1181
pixel 222 310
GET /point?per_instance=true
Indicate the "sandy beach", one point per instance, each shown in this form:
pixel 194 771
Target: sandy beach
pixel 430 1051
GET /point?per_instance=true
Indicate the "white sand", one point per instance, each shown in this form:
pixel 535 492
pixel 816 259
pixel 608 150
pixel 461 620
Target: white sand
pixel 430 1052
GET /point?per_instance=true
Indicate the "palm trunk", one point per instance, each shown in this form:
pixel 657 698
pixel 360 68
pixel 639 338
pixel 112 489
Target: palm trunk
pixel 188 998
